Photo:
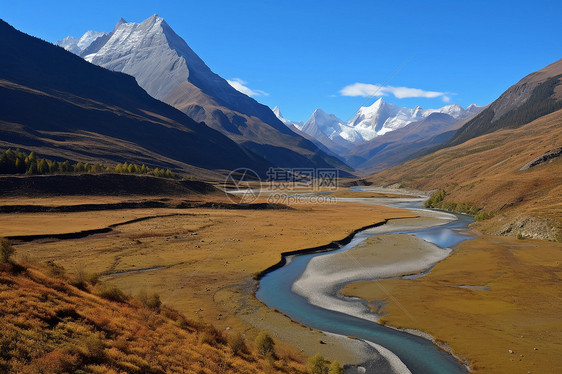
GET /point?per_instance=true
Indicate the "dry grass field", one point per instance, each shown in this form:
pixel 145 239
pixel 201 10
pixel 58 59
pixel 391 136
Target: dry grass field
pixel 492 295
pixel 200 261
pixel 50 326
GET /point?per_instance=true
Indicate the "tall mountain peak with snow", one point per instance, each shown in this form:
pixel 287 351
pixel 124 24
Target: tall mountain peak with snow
pixel 382 117
pixel 169 70
pixel 322 123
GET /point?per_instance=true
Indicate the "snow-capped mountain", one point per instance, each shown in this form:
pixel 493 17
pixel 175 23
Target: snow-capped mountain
pixel 322 123
pixel 382 117
pixel 169 70
pixel 150 51
pixel 287 122
pixel 77 45
pixel 374 120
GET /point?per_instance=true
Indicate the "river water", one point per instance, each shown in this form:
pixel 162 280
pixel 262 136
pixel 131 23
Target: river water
pixel 418 354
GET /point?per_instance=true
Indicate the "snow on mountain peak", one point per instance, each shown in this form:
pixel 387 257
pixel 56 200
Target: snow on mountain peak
pixel 137 48
pixel 77 45
pixel 287 122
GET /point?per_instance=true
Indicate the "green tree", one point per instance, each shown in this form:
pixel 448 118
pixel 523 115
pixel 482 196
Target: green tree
pixel 32 168
pixel 42 166
pixel 20 165
pixel 6 250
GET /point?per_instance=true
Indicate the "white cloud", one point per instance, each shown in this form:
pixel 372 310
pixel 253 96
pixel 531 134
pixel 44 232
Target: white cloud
pixel 240 85
pixel 369 90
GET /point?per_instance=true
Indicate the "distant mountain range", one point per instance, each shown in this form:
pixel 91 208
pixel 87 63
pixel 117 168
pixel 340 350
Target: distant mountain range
pixel 371 121
pixel 60 106
pixel 169 70
pixel 383 134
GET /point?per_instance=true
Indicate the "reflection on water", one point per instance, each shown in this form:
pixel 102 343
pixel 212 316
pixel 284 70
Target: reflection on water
pixel 419 355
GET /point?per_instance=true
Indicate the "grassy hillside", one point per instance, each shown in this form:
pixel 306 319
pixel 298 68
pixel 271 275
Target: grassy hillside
pixel 483 175
pixel 48 325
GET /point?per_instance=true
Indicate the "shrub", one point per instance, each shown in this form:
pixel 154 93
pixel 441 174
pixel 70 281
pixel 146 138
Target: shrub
pixel 81 279
pixel 6 250
pixel 210 335
pixel 520 236
pixel 55 270
pixel 57 361
pixel 435 200
pixel 111 292
pixel 237 343
pixel 152 302
pixel 265 344
pixel 335 368
pixel 483 216
pixel 95 349
pixel 317 364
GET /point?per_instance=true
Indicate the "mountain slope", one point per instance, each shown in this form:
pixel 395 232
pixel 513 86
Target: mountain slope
pixel 485 173
pixel 169 70
pixel 59 105
pixel 535 95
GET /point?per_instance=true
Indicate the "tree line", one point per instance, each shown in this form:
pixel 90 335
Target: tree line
pixel 17 162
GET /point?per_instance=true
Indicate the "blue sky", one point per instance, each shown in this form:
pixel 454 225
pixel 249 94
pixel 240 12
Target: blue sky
pixel 301 55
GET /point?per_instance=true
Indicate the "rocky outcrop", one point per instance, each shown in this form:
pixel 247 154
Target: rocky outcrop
pixel 552 154
pixel 532 227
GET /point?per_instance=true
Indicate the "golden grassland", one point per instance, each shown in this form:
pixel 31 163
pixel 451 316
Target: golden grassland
pixel 200 261
pixel 49 326
pixel 515 305
pixel 484 172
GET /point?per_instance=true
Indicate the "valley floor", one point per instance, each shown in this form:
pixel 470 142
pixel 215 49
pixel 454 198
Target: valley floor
pixel 201 261
pixel 490 296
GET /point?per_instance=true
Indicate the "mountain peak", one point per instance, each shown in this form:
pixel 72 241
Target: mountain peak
pixel 319 112
pixel 153 20
pixel 119 23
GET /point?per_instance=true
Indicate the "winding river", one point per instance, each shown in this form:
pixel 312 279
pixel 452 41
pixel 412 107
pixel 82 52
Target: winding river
pixel 418 354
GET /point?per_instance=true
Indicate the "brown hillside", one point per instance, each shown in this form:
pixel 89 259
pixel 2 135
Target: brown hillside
pixel 485 172
pixel 50 326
